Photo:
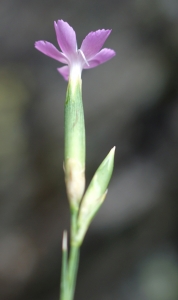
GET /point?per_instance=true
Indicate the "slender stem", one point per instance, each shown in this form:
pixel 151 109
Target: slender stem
pixel 69 265
pixel 73 257
pixel 74 216
pixel 68 282
pixel 72 270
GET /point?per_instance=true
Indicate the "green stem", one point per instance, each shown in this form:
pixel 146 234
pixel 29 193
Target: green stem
pixel 68 282
pixel 74 166
pixel 70 265
pixel 74 256
pixel 72 270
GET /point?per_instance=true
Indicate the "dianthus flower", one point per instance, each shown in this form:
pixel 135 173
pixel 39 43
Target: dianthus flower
pixel 88 56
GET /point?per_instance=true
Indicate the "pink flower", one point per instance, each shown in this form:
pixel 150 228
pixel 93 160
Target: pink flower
pixel 88 56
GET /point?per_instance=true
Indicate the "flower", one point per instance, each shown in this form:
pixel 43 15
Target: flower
pixel 88 56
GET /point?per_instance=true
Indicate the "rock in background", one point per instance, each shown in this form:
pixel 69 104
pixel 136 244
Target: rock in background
pixel 130 251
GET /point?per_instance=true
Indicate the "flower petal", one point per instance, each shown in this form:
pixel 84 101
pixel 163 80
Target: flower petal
pixel 66 38
pixel 93 42
pixel 64 71
pixel 50 50
pixel 100 58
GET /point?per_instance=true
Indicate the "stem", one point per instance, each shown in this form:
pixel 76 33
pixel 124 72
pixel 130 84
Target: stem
pixel 70 266
pixel 72 270
pixel 74 256
pixel 74 166
pixel 68 282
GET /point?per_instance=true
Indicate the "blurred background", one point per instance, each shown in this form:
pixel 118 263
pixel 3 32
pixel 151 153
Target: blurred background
pixel 130 251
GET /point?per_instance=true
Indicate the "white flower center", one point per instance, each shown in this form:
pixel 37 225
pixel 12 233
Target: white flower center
pixel 83 56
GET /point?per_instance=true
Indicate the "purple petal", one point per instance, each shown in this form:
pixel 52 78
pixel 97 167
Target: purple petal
pixel 66 37
pixel 50 50
pixel 93 42
pixel 64 71
pixel 100 58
